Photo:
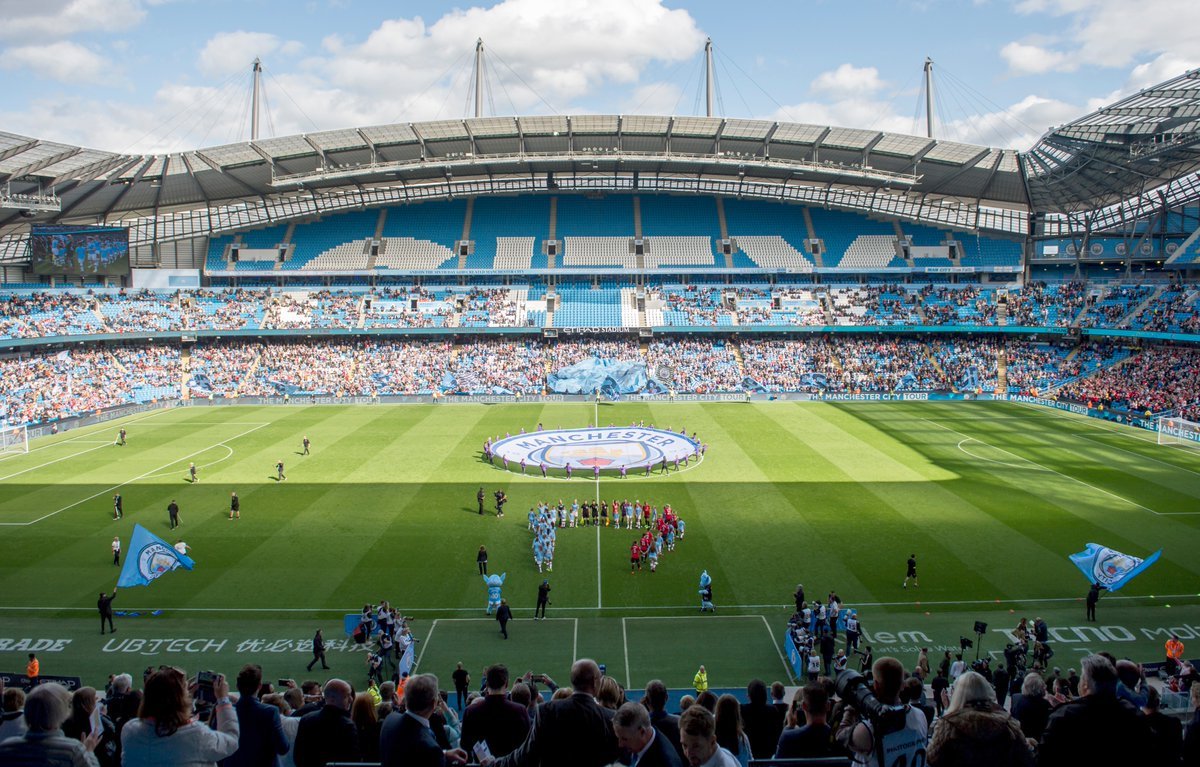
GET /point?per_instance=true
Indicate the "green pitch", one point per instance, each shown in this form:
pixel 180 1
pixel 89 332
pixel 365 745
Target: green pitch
pixel 990 497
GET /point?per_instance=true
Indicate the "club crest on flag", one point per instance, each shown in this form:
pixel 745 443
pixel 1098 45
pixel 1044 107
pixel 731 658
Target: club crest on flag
pixel 150 557
pixel 1110 568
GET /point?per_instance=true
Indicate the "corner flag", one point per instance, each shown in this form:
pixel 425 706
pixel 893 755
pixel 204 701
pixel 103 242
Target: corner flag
pixel 148 558
pixel 1110 568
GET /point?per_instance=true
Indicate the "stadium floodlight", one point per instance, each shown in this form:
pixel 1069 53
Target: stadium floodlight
pixel 1178 432
pixel 14 439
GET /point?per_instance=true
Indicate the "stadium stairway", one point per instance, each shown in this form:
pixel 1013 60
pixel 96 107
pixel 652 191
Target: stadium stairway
pixel 724 227
pixel 937 365
pixel 361 322
pixel 185 372
pixel 1002 371
pixel 1136 311
pixel 466 232
pixel 818 258
pixel 827 305
pixel 1001 311
pixel 737 355
pixel 250 370
pixel 95 309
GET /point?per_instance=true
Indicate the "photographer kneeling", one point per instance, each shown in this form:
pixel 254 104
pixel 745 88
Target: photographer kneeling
pixel 877 728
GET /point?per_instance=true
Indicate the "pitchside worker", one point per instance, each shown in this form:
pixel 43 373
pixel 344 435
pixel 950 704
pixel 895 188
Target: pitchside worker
pixel 235 506
pixel 479 497
pixel 912 572
pixel 173 513
pixel 117 511
pixel 306 444
pixel 279 475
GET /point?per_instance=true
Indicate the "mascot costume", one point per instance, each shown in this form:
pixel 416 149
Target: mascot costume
pixel 706 602
pixel 494 582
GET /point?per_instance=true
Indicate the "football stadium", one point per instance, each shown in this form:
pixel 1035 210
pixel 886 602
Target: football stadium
pixel 713 401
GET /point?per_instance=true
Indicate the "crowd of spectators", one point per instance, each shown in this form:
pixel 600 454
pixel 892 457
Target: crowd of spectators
pixel 968 364
pixel 960 305
pixel 802 365
pixel 1159 379
pixel 699 305
pixel 954 714
pixel 1114 304
pixel 492 365
pixel 693 365
pixel 1041 305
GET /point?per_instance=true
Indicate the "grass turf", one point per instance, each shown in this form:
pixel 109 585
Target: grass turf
pixel 991 498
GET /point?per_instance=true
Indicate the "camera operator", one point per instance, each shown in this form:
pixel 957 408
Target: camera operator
pixel 878 729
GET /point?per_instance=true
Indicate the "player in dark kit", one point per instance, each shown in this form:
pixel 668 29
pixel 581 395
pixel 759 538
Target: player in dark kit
pixel 479 497
pixel 912 572
pixel 173 513
pixel 235 506
pixel 117 503
pixel 306 444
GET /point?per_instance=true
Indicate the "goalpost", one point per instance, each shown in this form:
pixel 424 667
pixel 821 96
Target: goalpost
pixel 14 439
pixel 1179 432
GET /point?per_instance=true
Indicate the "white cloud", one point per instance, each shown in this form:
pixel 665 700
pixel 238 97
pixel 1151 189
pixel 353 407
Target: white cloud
pixel 227 52
pixel 1025 59
pixel 63 61
pixel 848 79
pixel 1104 33
pixel 24 20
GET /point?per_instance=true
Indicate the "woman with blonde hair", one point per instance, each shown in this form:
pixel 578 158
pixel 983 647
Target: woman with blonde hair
pixel 610 695
pixel 165 732
pixel 366 724
pixel 975 732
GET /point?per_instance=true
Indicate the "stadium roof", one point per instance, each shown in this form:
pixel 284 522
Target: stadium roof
pixel 103 185
pixel 1120 151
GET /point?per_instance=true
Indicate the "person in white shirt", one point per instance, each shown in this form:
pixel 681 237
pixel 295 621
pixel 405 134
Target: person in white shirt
pixel 957 668
pixel 181 547
pixel 698 736
pixel 116 550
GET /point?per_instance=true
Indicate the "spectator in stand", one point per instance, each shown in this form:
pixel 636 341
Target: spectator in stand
pixel 166 733
pixel 1166 732
pixel 407 739
pixel 858 735
pixel 328 735
pixel 262 738
pixel 698 733
pixel 781 705
pixel 610 695
pixel 576 732
pixel 1097 727
pixel 761 721
pixel 975 732
pixel 501 723
pixel 12 713
pixel 1030 707
pixel 289 722
pixel 637 739
pixel 43 743
pixel 730 734
pixel 655 701
pixel 367 725
pixel 79 726
pixel 808 735
pixel 1191 740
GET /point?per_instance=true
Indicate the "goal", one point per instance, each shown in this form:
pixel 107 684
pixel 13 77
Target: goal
pixel 14 439
pixel 1179 432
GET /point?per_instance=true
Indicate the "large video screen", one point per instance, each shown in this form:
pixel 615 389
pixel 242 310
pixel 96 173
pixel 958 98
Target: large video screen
pixel 86 250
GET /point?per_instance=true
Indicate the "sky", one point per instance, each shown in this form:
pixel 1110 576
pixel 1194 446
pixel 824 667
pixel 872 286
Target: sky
pixel 151 76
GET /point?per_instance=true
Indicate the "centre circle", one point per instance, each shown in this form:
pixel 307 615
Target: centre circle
pixel 613 448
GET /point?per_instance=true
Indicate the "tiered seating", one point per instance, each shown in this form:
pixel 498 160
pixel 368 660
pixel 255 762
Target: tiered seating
pixel 871 251
pixel 1116 302
pixel 679 230
pixel 1042 305
pixel 393 309
pixel 409 253
pixel 678 251
pixel 968 364
pixel 595 232
pixel 696 365
pixel 345 257
pixel 1175 311
pixel 312 239
pixel 513 252
pixel 499 367
pixel 959 305
pixel 873 305
pixel 987 251
pixel 693 306
pixel 598 251
pixel 507 231
pixel 588 308
pixel 841 230
pixel 771 235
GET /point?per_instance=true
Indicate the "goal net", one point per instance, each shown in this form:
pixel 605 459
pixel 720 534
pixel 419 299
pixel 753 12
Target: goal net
pixel 1179 432
pixel 14 439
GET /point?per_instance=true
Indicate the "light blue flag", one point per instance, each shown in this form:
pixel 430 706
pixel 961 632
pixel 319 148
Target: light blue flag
pixel 148 558
pixel 1110 568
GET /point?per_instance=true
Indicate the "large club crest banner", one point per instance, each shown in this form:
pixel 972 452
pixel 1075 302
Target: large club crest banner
pixel 150 557
pixel 1110 568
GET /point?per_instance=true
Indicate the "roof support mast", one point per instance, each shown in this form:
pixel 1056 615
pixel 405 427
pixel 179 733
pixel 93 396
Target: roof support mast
pixel 708 78
pixel 928 97
pixel 257 71
pixel 479 77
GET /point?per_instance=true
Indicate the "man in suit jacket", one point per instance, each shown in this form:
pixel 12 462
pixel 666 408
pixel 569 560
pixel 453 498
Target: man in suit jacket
pixel 667 725
pixel 495 720
pixel 406 739
pixel 573 732
pixel 644 745
pixel 328 735
pixel 261 741
pixel 761 721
